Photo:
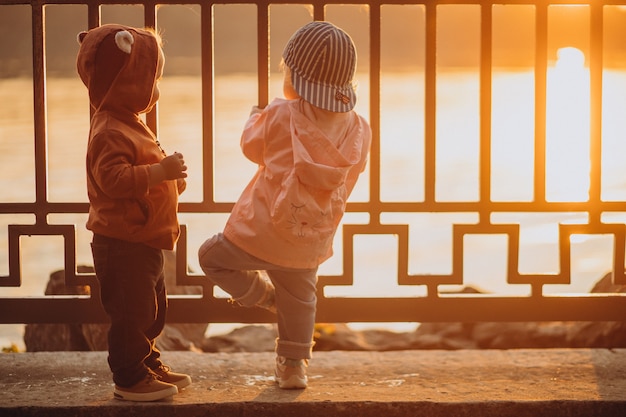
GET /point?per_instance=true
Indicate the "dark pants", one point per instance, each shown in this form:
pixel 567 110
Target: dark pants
pixel 133 295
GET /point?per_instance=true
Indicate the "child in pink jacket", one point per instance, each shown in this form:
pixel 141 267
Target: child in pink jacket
pixel 310 149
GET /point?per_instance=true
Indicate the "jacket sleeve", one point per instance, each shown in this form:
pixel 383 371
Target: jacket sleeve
pixel 253 137
pixel 111 161
pixel 356 170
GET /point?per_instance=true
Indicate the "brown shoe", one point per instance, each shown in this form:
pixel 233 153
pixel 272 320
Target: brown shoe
pixel 148 389
pixel 165 374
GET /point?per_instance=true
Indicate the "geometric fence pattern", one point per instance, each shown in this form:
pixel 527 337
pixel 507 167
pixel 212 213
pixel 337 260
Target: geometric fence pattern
pixel 434 304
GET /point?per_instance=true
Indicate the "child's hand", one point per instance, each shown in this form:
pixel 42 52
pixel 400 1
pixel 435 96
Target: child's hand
pixel 182 185
pixel 174 166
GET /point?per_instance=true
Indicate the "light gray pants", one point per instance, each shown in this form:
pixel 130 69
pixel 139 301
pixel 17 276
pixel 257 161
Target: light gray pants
pixel 239 274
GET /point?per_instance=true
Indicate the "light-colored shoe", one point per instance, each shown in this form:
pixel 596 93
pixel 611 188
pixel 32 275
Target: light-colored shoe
pixel 165 374
pixel 148 389
pixel 291 373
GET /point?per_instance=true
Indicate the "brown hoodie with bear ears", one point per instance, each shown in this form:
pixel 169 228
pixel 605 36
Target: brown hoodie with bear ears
pixel 121 147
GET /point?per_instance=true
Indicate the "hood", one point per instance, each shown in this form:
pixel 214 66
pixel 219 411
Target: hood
pixel 119 69
pixel 318 162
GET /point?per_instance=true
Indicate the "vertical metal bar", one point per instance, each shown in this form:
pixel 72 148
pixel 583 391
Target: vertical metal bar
pixel 149 14
pixel 150 20
pixel 40 111
pixel 319 11
pixel 485 109
pixel 93 15
pixel 541 68
pixel 263 52
pixel 93 20
pixel 430 103
pixel 430 116
pixel 595 96
pixel 206 48
pixel 15 265
pixel 374 160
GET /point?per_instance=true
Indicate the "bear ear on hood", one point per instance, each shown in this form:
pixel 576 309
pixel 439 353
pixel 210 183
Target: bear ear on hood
pixel 81 37
pixel 124 40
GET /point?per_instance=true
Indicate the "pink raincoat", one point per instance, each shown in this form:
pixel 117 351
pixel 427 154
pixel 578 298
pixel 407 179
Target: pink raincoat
pixel 289 212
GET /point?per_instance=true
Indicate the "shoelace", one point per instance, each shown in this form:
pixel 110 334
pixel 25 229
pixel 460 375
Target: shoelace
pixel 156 373
pixel 164 368
pixel 150 377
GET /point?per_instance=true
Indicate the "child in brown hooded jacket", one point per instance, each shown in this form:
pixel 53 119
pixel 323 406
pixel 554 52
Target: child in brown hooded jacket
pixel 133 192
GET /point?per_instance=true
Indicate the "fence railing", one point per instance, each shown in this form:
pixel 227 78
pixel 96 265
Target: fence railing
pixel 434 40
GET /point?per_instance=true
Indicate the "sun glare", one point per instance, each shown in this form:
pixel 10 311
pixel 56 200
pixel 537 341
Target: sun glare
pixel 567 130
pixel 570 59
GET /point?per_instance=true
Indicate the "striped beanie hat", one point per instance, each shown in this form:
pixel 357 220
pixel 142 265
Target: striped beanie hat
pixel 322 61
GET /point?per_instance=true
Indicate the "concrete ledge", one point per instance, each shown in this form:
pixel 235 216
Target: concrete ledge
pixel 559 382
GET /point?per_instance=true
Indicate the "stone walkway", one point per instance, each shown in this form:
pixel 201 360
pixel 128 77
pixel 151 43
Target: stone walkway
pixel 555 382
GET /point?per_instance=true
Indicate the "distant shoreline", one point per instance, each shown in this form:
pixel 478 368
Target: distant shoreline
pixel 187 72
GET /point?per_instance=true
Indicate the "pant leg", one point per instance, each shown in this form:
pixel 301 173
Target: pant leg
pixel 296 302
pixel 153 360
pixel 130 276
pixel 233 270
pixel 239 274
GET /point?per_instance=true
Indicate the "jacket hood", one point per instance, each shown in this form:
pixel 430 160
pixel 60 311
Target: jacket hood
pixel 318 162
pixel 118 65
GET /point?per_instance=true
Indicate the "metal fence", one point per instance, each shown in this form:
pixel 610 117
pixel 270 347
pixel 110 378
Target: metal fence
pixel 387 217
